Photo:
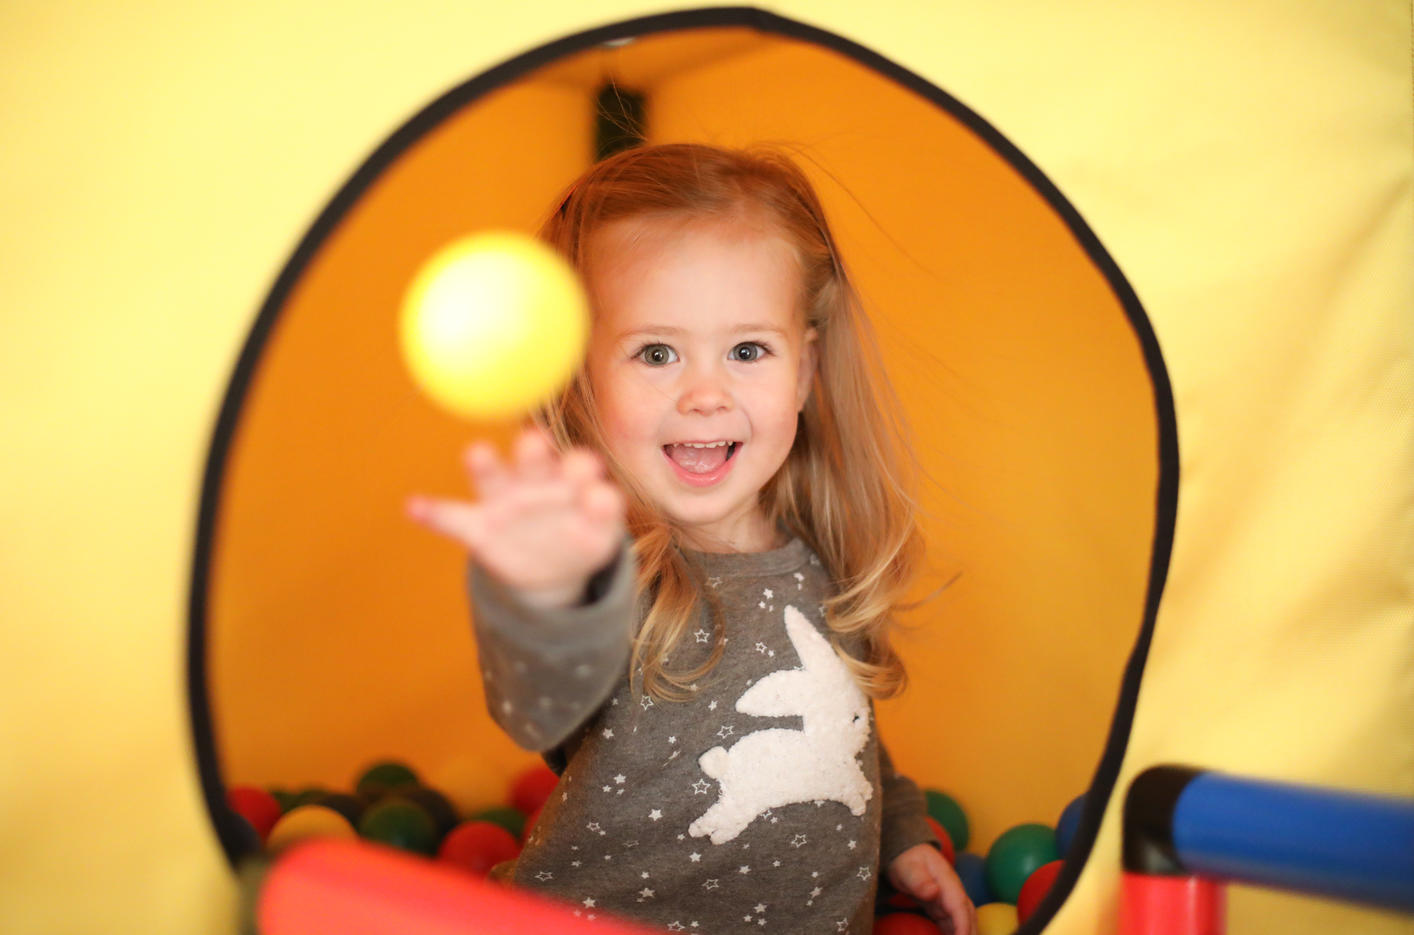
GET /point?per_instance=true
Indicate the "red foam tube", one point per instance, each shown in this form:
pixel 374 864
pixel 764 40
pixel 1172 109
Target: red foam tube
pixel 1163 905
pixel 341 887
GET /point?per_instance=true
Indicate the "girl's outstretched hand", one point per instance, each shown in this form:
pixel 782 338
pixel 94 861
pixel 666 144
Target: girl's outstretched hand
pixel 923 873
pixel 543 523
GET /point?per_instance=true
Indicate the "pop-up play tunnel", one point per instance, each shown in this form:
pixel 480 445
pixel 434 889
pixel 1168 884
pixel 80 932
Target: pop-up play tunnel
pixel 337 634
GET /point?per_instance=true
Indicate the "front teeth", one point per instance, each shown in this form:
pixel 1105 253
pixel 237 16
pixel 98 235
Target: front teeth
pixel 702 445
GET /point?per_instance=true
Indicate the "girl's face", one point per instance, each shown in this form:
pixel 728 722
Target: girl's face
pixel 700 361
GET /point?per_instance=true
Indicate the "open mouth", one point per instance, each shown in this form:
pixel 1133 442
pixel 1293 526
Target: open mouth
pixel 701 458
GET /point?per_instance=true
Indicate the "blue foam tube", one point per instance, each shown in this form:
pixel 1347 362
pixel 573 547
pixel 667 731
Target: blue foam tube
pixel 1324 842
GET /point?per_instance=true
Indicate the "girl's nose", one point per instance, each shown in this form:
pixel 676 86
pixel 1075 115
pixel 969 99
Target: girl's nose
pixel 704 392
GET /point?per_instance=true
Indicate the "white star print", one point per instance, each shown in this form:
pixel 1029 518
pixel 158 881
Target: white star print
pixel 544 875
pixel 744 869
pixel 694 857
pixel 646 702
pixel 725 731
pixel 711 885
pixel 589 902
pixel 672 740
pixel 761 921
pixel 593 826
pixel 701 787
pixel 797 841
pixel 607 788
pixel 762 605
pixel 759 908
pixel 712 706
pixel 645 893
pixel 863 873
pixel 574 863
pixel 620 778
pixel 841 925
pixel 851 845
pixel 702 636
pixel 816 892
pixel 761 647
pixel 655 814
pixel 676 927
pixel 608 733
pixel 775 863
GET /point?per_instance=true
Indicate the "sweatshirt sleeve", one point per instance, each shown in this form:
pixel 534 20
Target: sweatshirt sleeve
pixel 547 671
pixel 904 812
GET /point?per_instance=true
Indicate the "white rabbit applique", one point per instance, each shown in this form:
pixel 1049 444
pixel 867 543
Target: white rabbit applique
pixel 779 766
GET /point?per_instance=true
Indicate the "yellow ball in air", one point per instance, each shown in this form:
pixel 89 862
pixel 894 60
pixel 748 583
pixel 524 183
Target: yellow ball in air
pixel 493 325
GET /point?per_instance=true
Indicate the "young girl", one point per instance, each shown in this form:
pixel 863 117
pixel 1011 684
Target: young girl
pixel 684 577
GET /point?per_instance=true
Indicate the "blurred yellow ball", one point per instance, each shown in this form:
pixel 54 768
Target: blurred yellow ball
pixel 996 919
pixel 493 325
pixel 307 821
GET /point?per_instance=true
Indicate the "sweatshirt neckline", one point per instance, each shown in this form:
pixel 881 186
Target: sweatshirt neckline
pixel 774 561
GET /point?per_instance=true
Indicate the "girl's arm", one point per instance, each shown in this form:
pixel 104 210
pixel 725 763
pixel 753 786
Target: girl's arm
pixel 546 671
pixel 546 530
pixel 911 857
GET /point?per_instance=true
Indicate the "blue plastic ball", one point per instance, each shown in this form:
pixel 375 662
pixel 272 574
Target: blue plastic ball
pixel 972 871
pixel 1068 824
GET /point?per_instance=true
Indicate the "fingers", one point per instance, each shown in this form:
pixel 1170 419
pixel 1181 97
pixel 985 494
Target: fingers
pixel 451 518
pixel 488 475
pixel 535 457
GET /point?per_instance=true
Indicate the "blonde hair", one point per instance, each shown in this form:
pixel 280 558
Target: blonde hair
pixel 846 485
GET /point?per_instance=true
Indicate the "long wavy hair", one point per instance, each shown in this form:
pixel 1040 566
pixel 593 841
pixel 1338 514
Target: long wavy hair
pixel 846 487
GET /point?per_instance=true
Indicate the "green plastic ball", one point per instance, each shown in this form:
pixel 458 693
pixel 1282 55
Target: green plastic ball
pixel 383 776
pixel 1017 854
pixel 284 797
pixel 508 818
pixel 949 814
pixel 309 795
pixel 402 824
pixel 434 803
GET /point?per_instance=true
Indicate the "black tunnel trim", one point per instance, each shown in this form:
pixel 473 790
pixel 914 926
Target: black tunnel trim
pixel 234 835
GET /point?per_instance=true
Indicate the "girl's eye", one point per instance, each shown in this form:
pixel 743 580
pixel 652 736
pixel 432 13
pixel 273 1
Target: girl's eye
pixel 748 351
pixel 656 354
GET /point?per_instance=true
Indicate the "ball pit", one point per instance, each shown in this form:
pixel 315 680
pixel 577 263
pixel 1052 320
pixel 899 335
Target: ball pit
pixel 391 805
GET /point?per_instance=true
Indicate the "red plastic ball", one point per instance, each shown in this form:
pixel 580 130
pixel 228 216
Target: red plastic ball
pixel 943 838
pixel 477 846
pixel 904 923
pixel 531 788
pixel 530 821
pixel 256 806
pixel 1035 889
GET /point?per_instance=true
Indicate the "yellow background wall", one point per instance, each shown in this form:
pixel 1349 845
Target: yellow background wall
pixel 1248 166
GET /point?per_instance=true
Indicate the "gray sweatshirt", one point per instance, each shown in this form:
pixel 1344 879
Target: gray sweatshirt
pixel 764 803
